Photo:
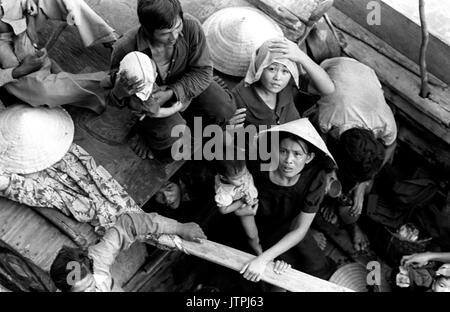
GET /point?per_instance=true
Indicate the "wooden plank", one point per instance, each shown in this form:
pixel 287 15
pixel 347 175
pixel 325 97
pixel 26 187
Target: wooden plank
pixel 344 23
pixel 31 235
pixel 202 9
pixel 405 41
pixel 281 13
pixel 291 280
pixel 404 83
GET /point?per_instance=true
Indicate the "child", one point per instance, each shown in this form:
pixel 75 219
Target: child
pixel 236 192
pixel 137 66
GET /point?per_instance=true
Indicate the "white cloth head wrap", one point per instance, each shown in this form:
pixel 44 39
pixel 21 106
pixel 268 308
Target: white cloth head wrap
pixel 141 66
pixel 263 58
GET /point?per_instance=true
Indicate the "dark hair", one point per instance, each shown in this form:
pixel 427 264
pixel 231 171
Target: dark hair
pixel 59 271
pixel 158 14
pixel 229 168
pixel 359 154
pixel 325 161
pixel 287 135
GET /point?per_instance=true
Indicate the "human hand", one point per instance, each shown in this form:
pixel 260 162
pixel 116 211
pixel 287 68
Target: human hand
pixel 402 278
pixel 162 96
pixel 288 49
pixel 163 112
pixel 191 232
pixel 32 8
pixel 248 209
pixel 416 260
pixel 30 64
pixel 238 118
pixel 254 269
pixel 126 85
pixel 444 270
pixel 136 106
pixel 281 266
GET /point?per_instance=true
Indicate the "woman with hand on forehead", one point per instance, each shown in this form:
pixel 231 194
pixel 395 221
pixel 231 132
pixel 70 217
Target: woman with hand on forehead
pixel 277 72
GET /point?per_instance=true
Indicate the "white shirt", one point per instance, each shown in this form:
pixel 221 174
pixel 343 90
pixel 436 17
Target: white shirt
pixel 358 101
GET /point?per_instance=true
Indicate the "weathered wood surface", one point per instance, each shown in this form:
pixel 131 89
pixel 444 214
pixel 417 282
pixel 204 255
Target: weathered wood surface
pixel 294 17
pixel 291 280
pixel 202 9
pixel 344 23
pixel 433 113
pixel 401 33
pixel 307 11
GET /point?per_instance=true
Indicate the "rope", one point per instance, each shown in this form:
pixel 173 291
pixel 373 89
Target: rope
pixel 178 243
pixel 167 242
pixel 424 88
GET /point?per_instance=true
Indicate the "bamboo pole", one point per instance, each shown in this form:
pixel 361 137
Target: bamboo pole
pixel 424 88
pixel 291 280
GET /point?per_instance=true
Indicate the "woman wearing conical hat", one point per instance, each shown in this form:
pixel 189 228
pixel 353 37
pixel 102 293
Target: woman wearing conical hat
pixel 289 198
pixel 266 95
pixel 40 166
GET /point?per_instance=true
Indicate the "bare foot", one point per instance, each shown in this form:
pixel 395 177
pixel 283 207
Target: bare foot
pixel 360 240
pixel 140 147
pixel 320 239
pixel 328 214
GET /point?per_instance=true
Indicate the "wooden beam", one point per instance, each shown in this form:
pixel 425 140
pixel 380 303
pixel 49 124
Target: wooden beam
pixel 401 33
pixel 291 280
pixel 346 24
pixel 202 9
pixel 280 13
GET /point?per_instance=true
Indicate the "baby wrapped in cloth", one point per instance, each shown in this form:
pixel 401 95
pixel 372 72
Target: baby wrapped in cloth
pixel 138 65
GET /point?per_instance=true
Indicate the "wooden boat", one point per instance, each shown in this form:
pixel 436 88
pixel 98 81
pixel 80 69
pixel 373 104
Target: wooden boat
pixel 423 122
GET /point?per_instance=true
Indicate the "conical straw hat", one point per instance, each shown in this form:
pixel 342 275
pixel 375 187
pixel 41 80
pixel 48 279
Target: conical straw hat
pixel 304 129
pixel 233 34
pixel 33 138
pixel 352 275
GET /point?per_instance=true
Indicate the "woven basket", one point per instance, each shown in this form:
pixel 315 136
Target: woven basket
pixel 405 247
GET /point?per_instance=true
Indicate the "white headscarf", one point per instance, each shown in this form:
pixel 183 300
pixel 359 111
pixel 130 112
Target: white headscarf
pixel 141 66
pixel 263 58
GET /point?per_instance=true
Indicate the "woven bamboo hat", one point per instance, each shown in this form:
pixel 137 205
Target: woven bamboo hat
pixel 352 276
pixel 233 34
pixel 33 138
pixel 304 129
